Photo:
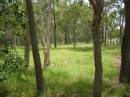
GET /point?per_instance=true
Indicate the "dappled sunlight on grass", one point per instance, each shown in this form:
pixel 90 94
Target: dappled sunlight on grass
pixel 71 72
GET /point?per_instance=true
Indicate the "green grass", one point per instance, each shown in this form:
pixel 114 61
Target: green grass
pixel 71 74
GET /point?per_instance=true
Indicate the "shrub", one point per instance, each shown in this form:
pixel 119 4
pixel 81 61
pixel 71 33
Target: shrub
pixel 3 90
pixel 13 63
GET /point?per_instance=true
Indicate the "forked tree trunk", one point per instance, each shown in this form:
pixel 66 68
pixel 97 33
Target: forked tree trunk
pixel 36 56
pixel 125 50
pixel 48 36
pixel 97 13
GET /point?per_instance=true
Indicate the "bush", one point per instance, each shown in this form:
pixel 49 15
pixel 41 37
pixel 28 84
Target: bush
pixel 13 63
pixel 3 90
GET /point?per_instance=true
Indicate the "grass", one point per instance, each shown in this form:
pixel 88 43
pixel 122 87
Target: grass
pixel 71 74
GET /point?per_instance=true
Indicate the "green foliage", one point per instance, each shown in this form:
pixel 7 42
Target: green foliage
pixel 2 34
pixel 2 37
pixel 13 63
pixel 3 90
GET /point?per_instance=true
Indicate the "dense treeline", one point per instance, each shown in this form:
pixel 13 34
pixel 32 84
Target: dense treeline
pixel 71 21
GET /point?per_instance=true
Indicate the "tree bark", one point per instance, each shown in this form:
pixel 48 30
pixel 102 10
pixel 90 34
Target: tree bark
pixel 47 37
pixel 55 26
pixel 26 52
pixel 66 34
pixel 121 27
pixel 36 56
pixel 97 55
pixel 46 57
pixel 74 34
pixel 97 13
pixel 125 50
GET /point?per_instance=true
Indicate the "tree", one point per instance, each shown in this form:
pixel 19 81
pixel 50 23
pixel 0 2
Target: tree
pixel 125 50
pixel 55 25
pixel 47 28
pixel 36 57
pixel 48 36
pixel 121 24
pixel 26 50
pixel 97 14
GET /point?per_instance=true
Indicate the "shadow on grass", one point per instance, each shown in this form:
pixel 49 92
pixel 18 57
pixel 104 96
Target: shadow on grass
pixel 88 49
pixel 59 84
pixel 82 49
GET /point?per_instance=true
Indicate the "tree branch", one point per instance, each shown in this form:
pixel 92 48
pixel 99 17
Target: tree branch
pixel 94 4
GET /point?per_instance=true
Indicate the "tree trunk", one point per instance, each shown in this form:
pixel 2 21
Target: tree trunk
pixel 26 52
pixel 74 35
pixel 66 34
pixel 74 38
pixel 54 15
pixel 47 36
pixel 97 13
pixel 105 30
pixel 36 56
pixel 46 57
pixel 97 55
pixel 125 50
pixel 121 27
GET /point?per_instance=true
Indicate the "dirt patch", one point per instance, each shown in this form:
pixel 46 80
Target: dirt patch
pixel 117 62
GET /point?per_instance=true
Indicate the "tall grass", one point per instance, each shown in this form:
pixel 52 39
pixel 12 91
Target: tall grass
pixel 71 74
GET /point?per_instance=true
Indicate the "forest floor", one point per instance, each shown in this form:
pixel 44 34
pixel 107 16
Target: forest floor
pixel 71 73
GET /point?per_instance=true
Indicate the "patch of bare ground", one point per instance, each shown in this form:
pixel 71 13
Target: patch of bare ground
pixel 117 61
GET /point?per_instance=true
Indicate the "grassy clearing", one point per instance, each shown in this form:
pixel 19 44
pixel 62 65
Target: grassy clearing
pixel 71 74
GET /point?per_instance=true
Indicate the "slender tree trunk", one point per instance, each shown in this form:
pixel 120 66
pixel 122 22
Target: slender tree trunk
pixel 48 37
pixel 47 57
pixel 26 52
pixel 97 55
pixel 66 41
pixel 97 13
pixel 102 30
pixel 74 35
pixel 105 31
pixel 74 38
pixel 125 50
pixel 55 26
pixel 121 28
pixel 66 34
pixel 36 56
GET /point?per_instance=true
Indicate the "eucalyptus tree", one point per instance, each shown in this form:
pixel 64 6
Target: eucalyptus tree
pixel 36 56
pixel 55 3
pixel 125 49
pixel 46 17
pixel 75 10
pixel 97 6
